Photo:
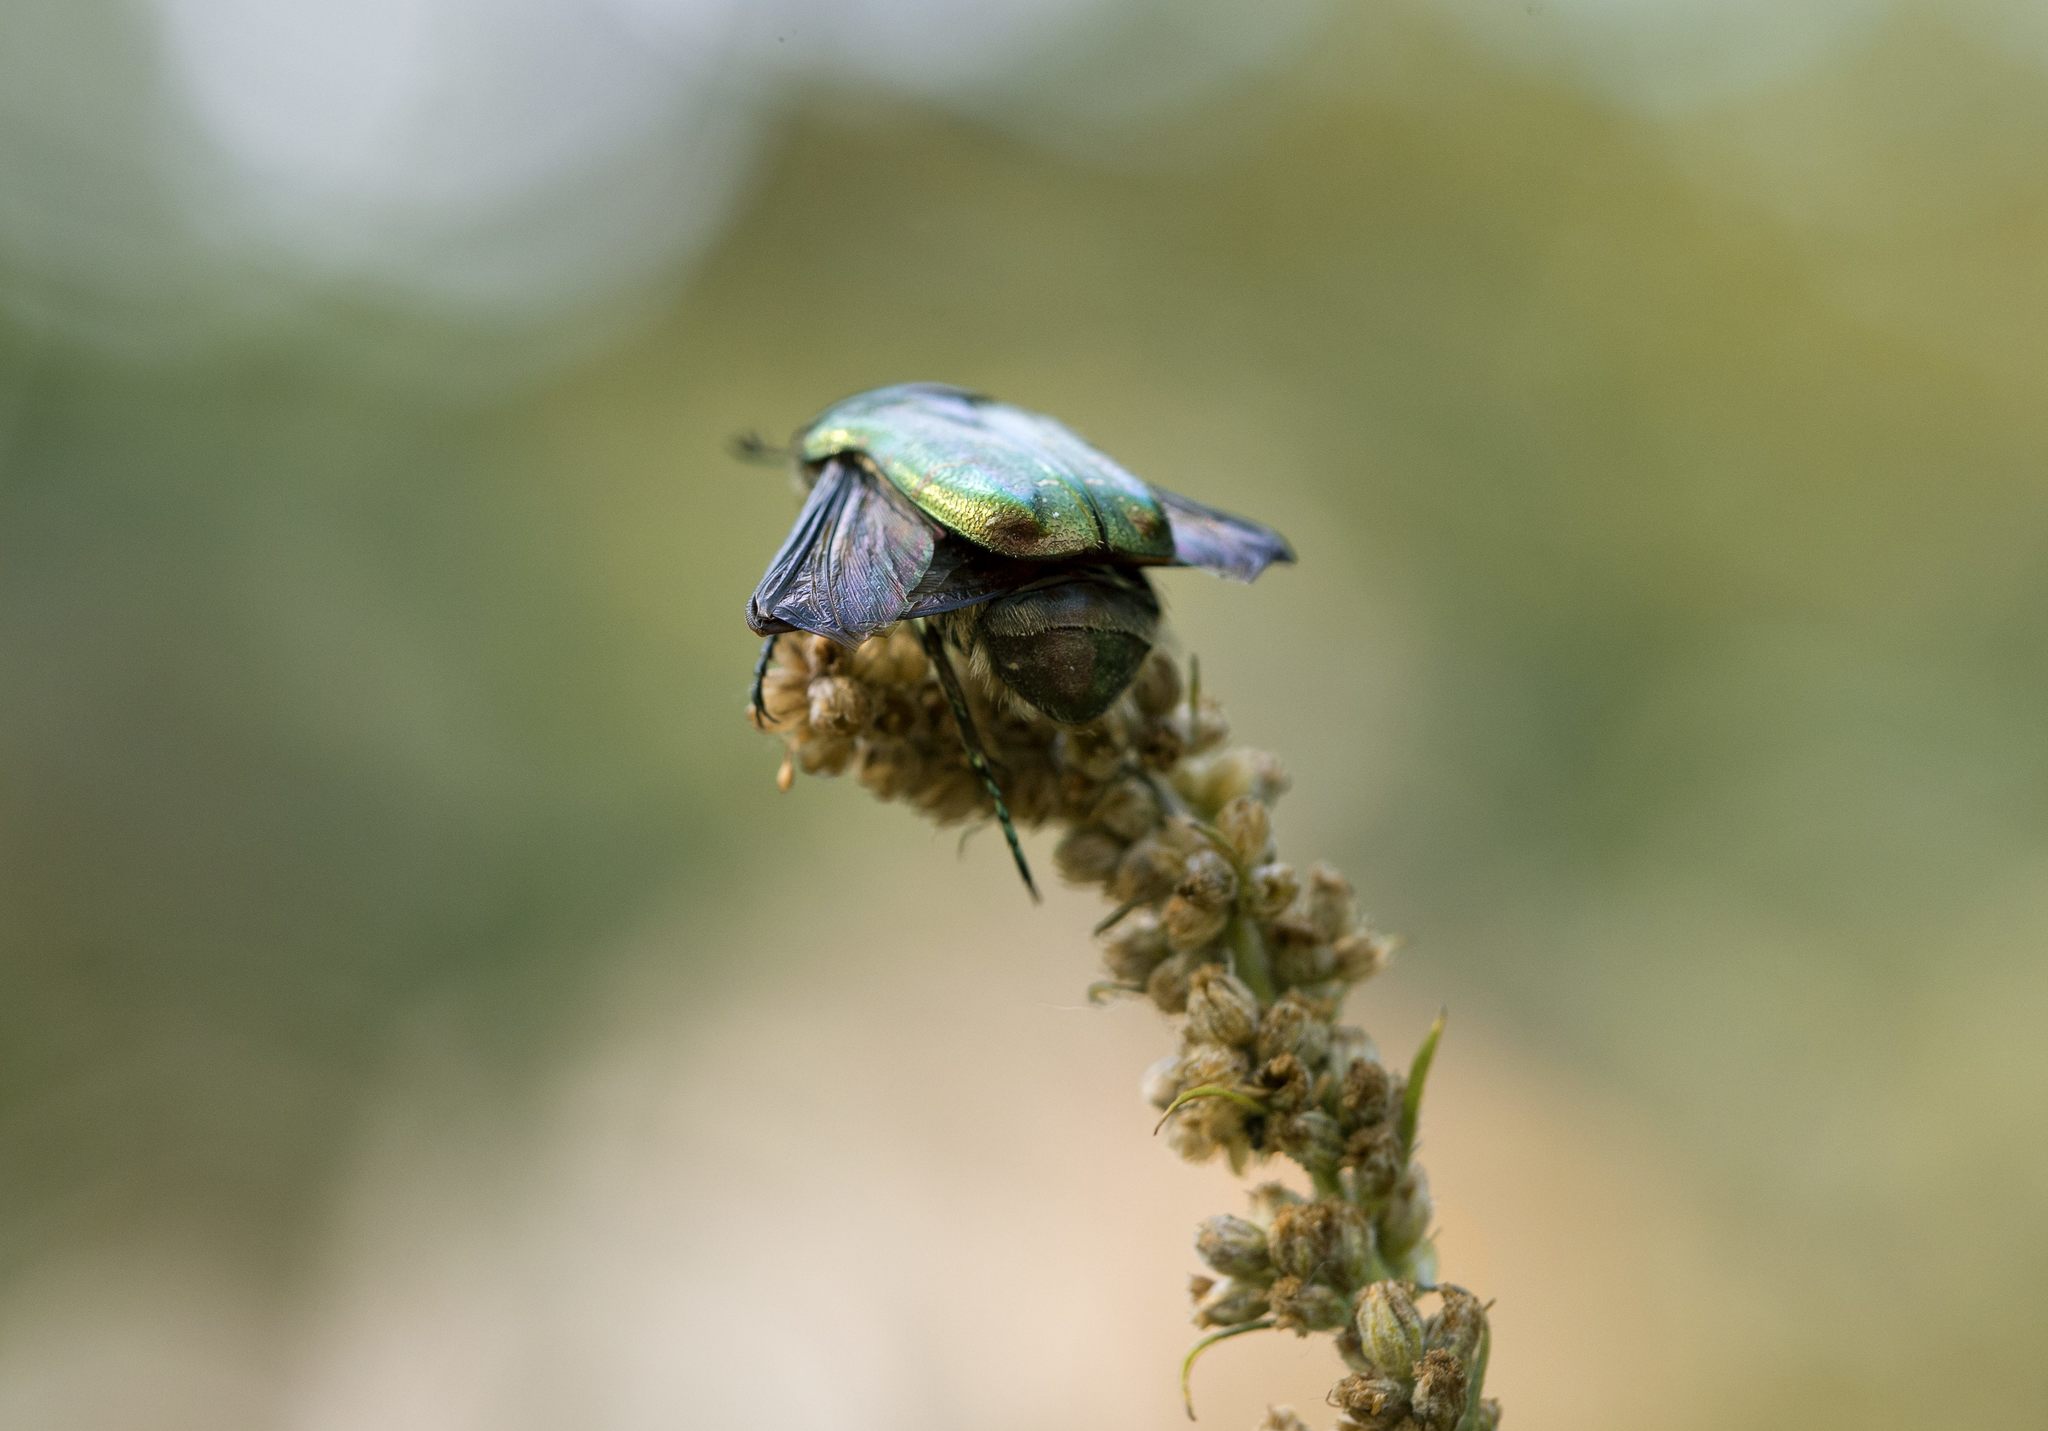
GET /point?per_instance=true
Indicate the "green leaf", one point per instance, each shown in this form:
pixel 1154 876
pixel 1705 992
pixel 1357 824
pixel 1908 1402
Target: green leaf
pixel 1187 1366
pixel 1418 1075
pixel 1209 1090
pixel 1476 1385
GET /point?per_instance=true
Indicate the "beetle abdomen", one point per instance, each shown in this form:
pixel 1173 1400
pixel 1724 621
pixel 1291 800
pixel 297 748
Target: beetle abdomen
pixel 1070 644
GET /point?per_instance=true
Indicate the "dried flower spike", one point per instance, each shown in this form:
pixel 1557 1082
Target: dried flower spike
pixel 1251 960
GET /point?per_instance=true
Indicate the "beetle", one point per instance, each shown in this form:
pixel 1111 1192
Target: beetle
pixel 927 499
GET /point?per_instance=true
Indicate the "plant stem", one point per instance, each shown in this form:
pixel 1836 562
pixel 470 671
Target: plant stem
pixel 1249 959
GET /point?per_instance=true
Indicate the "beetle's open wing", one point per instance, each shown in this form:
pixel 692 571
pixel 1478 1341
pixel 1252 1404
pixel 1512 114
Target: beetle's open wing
pixel 1205 537
pixel 962 574
pixel 850 562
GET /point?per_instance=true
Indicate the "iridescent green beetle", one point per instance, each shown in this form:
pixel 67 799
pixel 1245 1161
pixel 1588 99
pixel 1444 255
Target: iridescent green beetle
pixel 927 500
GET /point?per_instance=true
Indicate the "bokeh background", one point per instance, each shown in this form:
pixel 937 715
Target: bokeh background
pixel 418 1009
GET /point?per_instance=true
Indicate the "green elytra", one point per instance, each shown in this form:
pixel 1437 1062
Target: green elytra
pixel 1009 480
pixel 1035 558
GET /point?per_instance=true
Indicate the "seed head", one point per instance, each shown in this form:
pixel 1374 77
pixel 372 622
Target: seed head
pixel 1156 689
pixel 1161 1083
pixel 1294 1024
pixel 1302 964
pixel 1233 1247
pixel 1090 751
pixel 1220 1008
pixel 1207 881
pixel 1151 867
pixel 1088 855
pixel 1136 948
pixel 1270 888
pixel 1375 1153
pixel 1149 805
pixel 1201 1128
pixel 1127 809
pixel 1232 1304
pixel 1372 1403
pixel 1457 1327
pixel 1439 1396
pixel 1199 730
pixel 1303 1307
pixel 1267 1199
pixel 895 658
pixel 1391 1328
pixel 1167 985
pixel 1331 905
pixel 1367 1093
pixel 1405 1221
pixel 839 705
pixel 1348 1044
pixel 1323 1242
pixel 1283 1084
pixel 1247 827
pixel 1360 954
pixel 1282 1418
pixel 1313 1139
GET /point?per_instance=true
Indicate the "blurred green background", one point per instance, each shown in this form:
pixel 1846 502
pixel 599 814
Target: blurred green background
pixel 419 1010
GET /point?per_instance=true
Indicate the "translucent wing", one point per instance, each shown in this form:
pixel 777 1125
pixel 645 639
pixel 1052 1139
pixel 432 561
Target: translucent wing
pixel 849 564
pixel 1232 546
pixel 962 574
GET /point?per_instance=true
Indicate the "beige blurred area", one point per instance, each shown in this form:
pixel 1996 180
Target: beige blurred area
pixel 418 1008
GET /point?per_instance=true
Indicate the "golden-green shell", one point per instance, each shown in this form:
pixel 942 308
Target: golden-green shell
pixel 1009 480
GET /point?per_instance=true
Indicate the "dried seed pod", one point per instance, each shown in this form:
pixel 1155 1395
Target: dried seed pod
pixel 1375 1155
pixel 1161 1083
pixel 1294 1025
pixel 1232 1304
pixel 1167 985
pixel 1283 1084
pixel 1270 888
pixel 1405 1221
pixel 1268 1198
pixel 1087 855
pixel 1372 1403
pixel 1190 926
pixel 1233 1246
pixel 1360 954
pixel 1322 1241
pixel 1303 1307
pixel 1127 809
pixel 1391 1328
pixel 1438 1400
pixel 1332 907
pixel 1458 1325
pixel 1135 948
pixel 1367 1093
pixel 1247 826
pixel 1150 868
pixel 1313 1139
pixel 1220 1008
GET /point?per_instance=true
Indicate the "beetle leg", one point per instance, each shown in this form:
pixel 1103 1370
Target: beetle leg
pixel 760 675
pixel 957 699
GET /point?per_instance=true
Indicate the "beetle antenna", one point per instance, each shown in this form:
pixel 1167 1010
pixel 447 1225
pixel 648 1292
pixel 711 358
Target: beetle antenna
pixel 963 718
pixel 751 446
